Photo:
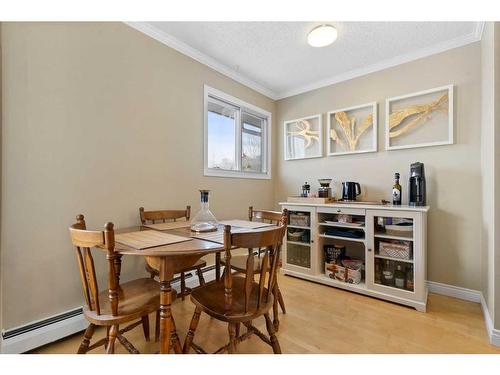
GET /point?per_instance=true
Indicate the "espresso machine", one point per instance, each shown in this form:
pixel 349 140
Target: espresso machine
pixel 416 185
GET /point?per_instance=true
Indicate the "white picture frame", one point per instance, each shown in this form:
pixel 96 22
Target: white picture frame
pixel 290 153
pixel 373 147
pixel 446 139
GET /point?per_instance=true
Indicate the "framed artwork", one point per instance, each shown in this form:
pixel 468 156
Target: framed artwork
pixel 303 138
pixel 352 130
pixel 420 119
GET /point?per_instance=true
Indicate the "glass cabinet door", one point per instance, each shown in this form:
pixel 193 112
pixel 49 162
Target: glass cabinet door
pixel 298 240
pixel 393 253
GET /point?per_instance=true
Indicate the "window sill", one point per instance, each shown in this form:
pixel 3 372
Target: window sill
pixel 236 174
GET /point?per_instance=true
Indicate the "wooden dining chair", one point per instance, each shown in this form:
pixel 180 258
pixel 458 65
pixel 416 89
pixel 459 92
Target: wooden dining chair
pixel 152 217
pixel 239 262
pixel 120 303
pixel 239 299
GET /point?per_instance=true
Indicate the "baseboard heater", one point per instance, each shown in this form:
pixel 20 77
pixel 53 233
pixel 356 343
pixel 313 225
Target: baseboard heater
pixel 33 335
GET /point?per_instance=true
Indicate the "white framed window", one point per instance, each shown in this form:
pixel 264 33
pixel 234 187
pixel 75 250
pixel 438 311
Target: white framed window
pixel 237 137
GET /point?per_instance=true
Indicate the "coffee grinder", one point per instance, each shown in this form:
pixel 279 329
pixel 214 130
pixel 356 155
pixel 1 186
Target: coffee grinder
pixel 325 191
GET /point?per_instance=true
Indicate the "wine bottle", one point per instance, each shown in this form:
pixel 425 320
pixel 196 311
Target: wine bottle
pixel 399 278
pixel 409 278
pixel 396 191
pixel 387 274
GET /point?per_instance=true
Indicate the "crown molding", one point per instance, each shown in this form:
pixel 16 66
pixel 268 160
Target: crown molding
pixel 398 60
pixel 187 50
pixel 478 32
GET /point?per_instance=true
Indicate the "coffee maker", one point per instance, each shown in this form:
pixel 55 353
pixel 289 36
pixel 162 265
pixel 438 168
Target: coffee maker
pixel 416 185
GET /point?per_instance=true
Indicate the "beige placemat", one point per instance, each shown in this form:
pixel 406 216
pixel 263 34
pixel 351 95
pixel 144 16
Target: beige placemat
pixel 246 224
pixel 169 225
pixel 217 237
pixel 146 239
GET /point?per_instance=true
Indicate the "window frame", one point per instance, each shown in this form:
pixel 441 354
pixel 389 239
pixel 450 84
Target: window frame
pixel 266 136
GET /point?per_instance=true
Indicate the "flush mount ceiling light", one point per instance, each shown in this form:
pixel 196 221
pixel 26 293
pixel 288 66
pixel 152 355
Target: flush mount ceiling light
pixel 322 36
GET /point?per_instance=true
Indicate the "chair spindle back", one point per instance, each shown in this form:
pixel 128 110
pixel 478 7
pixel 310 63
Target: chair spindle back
pixel 84 240
pixel 272 217
pixel 270 240
pixel 150 217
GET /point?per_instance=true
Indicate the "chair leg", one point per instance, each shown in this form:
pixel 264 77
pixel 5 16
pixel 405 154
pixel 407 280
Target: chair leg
pixel 145 326
pixel 174 338
pixel 84 346
pixel 281 301
pixel 238 326
pixel 192 328
pixel 276 320
pixel 274 340
pixel 183 285
pixel 232 337
pixel 157 326
pixel 107 337
pixel 201 279
pixel 113 332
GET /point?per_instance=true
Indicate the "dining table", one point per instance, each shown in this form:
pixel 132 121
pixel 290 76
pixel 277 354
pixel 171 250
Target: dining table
pixel 167 259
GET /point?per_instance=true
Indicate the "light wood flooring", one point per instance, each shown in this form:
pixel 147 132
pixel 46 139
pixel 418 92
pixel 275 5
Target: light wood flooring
pixel 321 319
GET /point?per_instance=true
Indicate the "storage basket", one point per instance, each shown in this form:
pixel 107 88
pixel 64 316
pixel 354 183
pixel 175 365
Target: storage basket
pixel 399 230
pixel 400 250
pixel 340 273
pixel 300 220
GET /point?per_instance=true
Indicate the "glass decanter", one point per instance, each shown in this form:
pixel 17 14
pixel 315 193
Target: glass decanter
pixel 204 220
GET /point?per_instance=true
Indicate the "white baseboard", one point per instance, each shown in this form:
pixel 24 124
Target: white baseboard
pixel 493 333
pixel 55 331
pixel 43 335
pixel 35 338
pixel 455 291
pixel 469 295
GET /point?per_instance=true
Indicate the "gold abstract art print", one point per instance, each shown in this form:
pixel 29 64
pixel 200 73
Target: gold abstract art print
pixel 352 130
pixel 303 138
pixel 420 119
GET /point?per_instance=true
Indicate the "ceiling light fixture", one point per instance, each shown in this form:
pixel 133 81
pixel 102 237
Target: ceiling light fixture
pixel 322 36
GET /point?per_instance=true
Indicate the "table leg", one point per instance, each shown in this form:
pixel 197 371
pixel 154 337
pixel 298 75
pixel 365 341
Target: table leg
pixel 165 307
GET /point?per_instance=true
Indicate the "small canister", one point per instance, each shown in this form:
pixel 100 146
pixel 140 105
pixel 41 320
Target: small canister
pixel 306 190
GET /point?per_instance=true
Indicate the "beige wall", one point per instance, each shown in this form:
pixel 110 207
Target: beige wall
pixel 487 161
pixel 98 119
pixel 137 106
pixel 490 168
pixel 453 172
pixel 496 168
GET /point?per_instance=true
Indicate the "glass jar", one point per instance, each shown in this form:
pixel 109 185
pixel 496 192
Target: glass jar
pixel 204 220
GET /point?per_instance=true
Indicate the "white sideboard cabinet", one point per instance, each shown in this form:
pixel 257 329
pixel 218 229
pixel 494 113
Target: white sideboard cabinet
pixel 390 240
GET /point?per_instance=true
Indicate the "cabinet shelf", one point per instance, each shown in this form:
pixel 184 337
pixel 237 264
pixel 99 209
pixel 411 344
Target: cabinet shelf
pixel 343 225
pixel 299 243
pixel 298 227
pixel 394 259
pixel 362 240
pixel 389 237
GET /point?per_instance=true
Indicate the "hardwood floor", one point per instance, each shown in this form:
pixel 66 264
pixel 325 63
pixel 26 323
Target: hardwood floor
pixel 335 321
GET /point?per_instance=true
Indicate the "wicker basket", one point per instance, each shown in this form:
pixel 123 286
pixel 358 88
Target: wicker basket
pixel 300 220
pixel 401 250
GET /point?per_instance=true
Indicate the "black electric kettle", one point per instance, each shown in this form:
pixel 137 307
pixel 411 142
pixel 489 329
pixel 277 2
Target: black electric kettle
pixel 350 190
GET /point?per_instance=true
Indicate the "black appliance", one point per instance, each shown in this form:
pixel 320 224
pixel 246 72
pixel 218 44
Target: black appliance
pixel 416 185
pixel 350 190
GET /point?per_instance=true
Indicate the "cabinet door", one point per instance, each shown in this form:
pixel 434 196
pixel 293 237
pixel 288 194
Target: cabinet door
pixel 298 253
pixel 395 256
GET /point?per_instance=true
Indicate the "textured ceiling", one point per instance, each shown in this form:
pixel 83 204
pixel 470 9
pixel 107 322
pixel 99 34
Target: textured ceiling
pixel 275 56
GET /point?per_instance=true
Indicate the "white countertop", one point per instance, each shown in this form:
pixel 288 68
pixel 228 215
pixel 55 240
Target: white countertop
pixel 361 205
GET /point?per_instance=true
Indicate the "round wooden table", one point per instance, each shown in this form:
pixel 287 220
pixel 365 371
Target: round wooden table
pixel 167 259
